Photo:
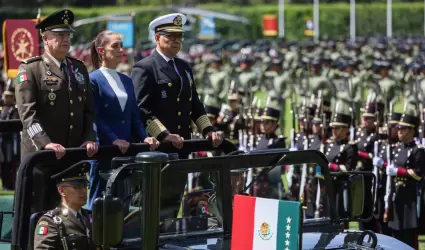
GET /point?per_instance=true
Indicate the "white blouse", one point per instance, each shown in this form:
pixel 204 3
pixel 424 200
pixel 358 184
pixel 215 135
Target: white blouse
pixel 117 86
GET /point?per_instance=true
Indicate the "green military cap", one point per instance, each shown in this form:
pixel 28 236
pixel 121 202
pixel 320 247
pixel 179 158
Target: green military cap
pixel 74 175
pixel 60 21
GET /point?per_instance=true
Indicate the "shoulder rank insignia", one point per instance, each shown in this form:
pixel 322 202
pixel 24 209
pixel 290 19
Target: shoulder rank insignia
pixel 31 59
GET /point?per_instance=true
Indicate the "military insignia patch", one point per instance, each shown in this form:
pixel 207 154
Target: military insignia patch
pixel 177 20
pixel 22 77
pixel 51 81
pixel 164 94
pixel 52 96
pixel 42 230
pixel 264 231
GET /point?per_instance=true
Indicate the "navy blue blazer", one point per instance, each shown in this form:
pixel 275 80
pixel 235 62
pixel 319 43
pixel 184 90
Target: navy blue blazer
pixel 113 123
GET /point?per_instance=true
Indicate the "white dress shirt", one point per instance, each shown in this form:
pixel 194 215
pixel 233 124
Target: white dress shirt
pixel 116 84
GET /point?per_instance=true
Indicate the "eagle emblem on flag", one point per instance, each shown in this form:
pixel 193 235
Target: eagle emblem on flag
pixel 264 231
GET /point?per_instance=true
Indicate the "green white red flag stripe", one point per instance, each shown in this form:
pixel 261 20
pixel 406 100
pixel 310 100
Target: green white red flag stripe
pixel 260 224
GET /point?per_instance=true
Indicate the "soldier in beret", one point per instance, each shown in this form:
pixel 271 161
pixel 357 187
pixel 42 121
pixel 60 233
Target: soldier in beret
pixel 68 226
pixel 54 96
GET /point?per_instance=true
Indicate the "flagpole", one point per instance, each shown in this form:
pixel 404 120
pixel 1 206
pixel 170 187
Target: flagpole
pixel 389 19
pixel 281 8
pixel 353 20
pixel 316 20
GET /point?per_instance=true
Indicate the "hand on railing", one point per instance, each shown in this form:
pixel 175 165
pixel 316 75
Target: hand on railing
pixel 123 145
pixel 176 140
pixel 153 143
pixel 91 147
pixel 59 149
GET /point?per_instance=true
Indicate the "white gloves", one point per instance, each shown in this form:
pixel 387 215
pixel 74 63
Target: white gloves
pixel 377 161
pixel 392 170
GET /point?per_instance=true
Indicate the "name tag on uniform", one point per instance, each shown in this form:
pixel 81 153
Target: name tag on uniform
pixel 50 80
pixel 163 81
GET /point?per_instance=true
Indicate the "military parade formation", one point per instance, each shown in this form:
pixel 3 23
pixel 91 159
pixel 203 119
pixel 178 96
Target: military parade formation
pixel 361 103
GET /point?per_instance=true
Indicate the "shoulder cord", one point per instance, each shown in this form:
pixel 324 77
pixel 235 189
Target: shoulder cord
pixel 59 226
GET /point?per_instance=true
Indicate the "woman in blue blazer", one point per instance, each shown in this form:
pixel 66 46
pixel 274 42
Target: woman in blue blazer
pixel 117 115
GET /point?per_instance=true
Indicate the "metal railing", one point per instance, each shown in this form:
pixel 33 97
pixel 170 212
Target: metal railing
pixel 224 165
pixel 24 182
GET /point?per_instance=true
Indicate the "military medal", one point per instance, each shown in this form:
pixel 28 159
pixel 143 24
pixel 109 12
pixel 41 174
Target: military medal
pixel 48 73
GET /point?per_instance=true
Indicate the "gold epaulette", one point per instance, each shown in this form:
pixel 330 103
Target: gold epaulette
pixel 31 59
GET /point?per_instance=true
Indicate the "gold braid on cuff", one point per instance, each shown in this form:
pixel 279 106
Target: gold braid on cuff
pixel 203 122
pixel 155 127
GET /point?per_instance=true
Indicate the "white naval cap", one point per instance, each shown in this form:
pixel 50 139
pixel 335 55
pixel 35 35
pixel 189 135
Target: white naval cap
pixel 168 23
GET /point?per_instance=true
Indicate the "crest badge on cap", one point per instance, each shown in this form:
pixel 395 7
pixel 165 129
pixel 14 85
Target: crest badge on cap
pixel 177 20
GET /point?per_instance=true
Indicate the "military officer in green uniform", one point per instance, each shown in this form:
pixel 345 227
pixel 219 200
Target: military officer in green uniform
pixel 54 98
pixel 55 84
pixel 68 226
pixel 216 79
pixel 277 81
pixel 247 79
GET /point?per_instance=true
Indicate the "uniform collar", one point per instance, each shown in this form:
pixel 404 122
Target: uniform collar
pixel 409 144
pixel 75 213
pixel 341 141
pixel 57 63
pixel 166 58
pixel 271 135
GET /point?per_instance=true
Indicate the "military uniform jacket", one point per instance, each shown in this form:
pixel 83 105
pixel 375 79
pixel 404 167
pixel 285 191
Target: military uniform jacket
pixel 412 159
pixel 271 141
pixel 343 153
pixel 365 146
pixel 52 107
pixel 314 142
pixel 168 101
pixel 77 232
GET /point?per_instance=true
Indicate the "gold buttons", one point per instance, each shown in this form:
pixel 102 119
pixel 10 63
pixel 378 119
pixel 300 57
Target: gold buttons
pixel 178 99
pixel 71 102
pixel 70 89
pixel 179 113
pixel 71 114
pixel 170 84
pixel 71 127
pixel 80 98
pixel 52 103
pixel 190 113
pixel 190 99
pixel 178 127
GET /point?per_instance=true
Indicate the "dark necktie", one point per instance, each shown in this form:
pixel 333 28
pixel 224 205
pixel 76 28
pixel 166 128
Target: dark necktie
pixel 171 62
pixel 81 218
pixel 64 70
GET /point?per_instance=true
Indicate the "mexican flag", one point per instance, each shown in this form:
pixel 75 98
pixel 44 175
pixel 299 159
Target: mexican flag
pixel 42 230
pixel 22 77
pixel 261 224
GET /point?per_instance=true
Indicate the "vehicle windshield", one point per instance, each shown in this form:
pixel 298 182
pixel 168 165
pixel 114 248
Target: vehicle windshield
pixel 198 212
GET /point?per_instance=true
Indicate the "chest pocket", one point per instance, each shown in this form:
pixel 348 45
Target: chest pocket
pixel 77 242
